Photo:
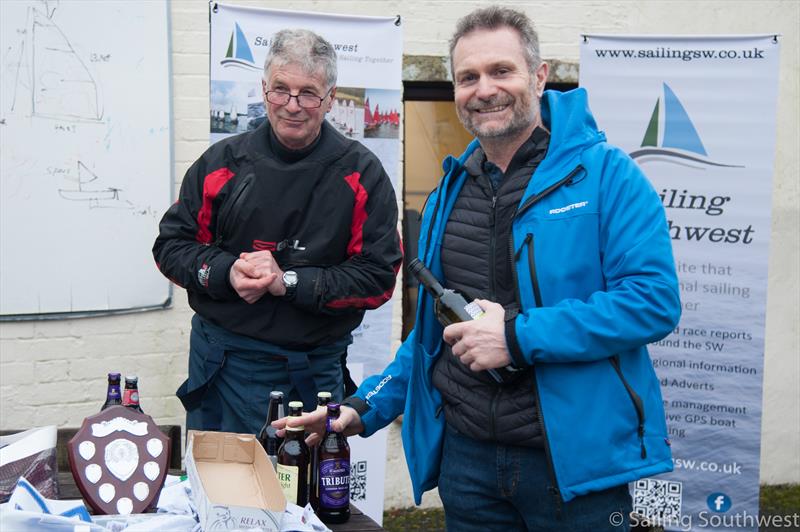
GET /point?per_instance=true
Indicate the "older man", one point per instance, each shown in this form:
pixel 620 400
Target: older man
pixel 565 243
pixel 282 237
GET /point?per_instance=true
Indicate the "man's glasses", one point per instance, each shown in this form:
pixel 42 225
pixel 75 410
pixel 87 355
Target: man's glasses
pixel 306 101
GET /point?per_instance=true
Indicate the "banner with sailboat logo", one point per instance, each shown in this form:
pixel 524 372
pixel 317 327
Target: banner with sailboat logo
pixel 367 108
pixel 698 114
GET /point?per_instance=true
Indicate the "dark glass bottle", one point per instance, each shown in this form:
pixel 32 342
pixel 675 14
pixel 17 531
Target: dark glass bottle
pixel 268 434
pixel 451 307
pixel 295 408
pixel 323 398
pixel 334 473
pixel 113 395
pixel 130 396
pixel 293 465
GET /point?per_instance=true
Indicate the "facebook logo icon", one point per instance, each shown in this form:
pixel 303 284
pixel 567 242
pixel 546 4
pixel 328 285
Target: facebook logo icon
pixel 718 502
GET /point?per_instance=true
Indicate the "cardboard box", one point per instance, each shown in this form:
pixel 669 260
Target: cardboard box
pixel 233 482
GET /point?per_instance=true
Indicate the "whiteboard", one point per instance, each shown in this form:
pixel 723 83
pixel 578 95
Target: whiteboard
pixel 85 157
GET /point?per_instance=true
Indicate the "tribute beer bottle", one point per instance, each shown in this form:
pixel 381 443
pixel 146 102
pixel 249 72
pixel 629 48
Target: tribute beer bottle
pixel 323 398
pixel 293 462
pixel 130 397
pixel 113 396
pixel 450 306
pixel 268 434
pixel 334 473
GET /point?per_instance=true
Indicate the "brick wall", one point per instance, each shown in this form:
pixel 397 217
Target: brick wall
pixel 53 371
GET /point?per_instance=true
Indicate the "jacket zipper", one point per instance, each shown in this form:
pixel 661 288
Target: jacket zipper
pixel 230 207
pixel 549 190
pixel 537 293
pixel 635 399
pixel 492 250
pixel 554 489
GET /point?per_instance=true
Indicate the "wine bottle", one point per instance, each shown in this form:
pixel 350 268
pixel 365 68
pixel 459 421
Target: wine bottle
pixel 450 306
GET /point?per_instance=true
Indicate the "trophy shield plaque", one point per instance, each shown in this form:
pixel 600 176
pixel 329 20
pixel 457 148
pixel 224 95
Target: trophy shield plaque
pixel 119 460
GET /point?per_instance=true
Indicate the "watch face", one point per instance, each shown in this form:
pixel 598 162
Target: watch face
pixel 290 279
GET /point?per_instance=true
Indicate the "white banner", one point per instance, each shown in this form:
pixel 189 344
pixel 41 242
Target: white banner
pixel 698 115
pixel 367 108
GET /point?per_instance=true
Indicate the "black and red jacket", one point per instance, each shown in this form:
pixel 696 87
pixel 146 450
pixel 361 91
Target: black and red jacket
pixel 331 216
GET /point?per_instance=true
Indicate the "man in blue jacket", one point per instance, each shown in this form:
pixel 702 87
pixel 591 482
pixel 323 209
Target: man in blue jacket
pixel 564 243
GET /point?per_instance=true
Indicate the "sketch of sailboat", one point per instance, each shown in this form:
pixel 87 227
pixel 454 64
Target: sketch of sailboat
pixel 63 87
pixel 96 197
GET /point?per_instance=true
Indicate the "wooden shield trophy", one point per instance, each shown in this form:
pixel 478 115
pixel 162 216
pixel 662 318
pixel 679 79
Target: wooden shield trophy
pixel 119 459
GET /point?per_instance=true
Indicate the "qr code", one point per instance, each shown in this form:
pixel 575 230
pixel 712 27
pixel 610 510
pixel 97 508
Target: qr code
pixel 358 481
pixel 658 500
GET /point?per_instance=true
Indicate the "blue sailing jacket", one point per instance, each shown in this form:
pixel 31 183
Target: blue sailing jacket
pixel 596 281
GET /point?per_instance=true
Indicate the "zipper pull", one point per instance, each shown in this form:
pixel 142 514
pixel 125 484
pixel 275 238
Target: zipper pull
pixel 528 238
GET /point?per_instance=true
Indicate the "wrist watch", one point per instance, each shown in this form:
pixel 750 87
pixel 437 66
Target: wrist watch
pixel 290 283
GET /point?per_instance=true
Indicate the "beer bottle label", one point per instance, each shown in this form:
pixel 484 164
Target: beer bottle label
pixel 131 397
pixel 288 477
pixel 334 483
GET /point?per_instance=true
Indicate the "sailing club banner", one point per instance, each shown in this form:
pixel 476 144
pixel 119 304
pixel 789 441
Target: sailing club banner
pixel 367 108
pixel 698 115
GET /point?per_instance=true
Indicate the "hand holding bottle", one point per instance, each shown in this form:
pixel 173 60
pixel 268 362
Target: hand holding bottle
pixel 349 423
pixel 480 344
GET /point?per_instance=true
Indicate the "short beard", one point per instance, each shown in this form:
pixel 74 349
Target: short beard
pixel 519 121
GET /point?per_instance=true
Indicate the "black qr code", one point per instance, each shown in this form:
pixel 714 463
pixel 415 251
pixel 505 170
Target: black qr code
pixel 358 481
pixel 658 500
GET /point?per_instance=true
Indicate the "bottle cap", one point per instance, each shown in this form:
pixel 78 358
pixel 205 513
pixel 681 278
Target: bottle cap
pixel 131 378
pixel 324 394
pixel 276 394
pixel 295 404
pixel 114 376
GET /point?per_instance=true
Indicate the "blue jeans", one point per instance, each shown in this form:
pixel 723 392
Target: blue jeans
pixel 237 394
pixel 488 486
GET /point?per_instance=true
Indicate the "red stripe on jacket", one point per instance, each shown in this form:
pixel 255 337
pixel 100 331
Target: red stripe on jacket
pixel 373 301
pixel 212 184
pixel 359 214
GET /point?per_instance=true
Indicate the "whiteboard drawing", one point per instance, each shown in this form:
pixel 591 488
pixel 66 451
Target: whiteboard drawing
pixel 107 197
pixel 85 163
pixel 60 84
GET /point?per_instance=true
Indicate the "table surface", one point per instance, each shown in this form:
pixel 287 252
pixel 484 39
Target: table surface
pixel 358 522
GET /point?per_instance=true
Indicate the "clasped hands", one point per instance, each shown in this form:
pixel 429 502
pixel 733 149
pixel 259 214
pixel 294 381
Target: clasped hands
pixel 255 274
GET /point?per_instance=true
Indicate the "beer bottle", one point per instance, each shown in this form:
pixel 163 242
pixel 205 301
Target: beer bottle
pixel 268 434
pixel 130 397
pixel 334 473
pixel 323 398
pixel 450 306
pixel 295 408
pixel 293 462
pixel 113 396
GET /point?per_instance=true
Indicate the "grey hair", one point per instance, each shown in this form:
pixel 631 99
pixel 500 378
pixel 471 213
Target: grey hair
pixel 495 17
pixel 304 48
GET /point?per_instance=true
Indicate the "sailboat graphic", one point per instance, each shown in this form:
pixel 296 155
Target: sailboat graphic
pixel 95 197
pixel 239 53
pixel 677 135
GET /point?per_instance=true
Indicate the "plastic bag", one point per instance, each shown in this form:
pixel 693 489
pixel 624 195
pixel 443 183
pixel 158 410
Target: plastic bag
pixel 30 454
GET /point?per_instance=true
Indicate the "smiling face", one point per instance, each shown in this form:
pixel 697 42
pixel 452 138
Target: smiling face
pixel 496 96
pixel 295 126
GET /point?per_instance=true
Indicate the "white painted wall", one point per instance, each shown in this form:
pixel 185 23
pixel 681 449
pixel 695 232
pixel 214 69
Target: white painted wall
pixel 53 371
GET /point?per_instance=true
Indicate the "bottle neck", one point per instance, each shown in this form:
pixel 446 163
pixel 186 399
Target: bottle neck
pixel 329 423
pixel 427 279
pixel 295 433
